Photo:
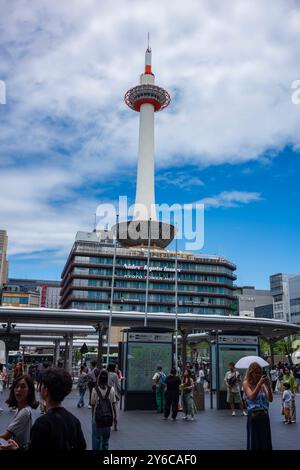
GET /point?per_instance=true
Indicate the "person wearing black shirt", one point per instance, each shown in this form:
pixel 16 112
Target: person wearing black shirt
pixel 172 393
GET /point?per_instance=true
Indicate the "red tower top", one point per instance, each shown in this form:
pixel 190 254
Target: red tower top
pixel 147 92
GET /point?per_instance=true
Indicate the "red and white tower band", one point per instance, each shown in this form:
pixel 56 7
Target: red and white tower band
pixel 146 98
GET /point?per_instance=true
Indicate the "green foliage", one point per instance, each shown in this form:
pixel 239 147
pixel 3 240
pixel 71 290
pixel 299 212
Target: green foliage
pixel 284 346
pixel 264 346
pixel 76 355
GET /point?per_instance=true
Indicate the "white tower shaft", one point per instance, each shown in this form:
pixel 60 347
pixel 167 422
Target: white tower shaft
pixel 145 194
pixel 144 208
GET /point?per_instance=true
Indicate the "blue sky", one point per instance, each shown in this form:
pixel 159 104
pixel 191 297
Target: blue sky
pixel 230 137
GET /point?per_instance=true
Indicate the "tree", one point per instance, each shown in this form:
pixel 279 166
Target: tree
pixel 264 347
pixel 285 346
pixel 76 355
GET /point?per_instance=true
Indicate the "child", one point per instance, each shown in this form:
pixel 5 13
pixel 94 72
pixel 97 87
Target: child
pixel 287 402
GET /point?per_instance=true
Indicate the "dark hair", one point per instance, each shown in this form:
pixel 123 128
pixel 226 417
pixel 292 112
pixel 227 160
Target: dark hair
pixel 93 363
pixel 187 380
pixel 111 367
pixel 189 373
pixel 31 401
pixel 18 370
pixel 159 367
pixel 232 364
pixel 103 377
pixel 286 385
pixel 173 371
pixel 58 382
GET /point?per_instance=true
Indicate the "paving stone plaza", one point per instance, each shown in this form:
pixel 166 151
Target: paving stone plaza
pixel 212 430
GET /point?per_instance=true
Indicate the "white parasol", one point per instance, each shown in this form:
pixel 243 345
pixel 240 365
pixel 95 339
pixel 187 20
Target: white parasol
pixel 296 357
pixel 245 362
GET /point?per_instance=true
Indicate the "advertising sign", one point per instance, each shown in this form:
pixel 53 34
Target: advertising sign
pixel 142 361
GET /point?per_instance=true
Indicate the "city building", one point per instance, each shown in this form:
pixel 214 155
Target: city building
pixel 264 311
pixel 3 257
pixel 17 296
pixel 49 291
pixel 249 299
pixel 285 290
pixel 205 283
pixel 294 293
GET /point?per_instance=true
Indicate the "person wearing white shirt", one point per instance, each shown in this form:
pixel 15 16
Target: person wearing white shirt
pixel 287 403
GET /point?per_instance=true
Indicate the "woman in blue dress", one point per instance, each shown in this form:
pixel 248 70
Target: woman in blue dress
pixel 258 395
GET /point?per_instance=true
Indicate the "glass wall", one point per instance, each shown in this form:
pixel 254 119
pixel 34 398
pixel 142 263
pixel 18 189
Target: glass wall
pixel 151 308
pixel 142 274
pixel 160 264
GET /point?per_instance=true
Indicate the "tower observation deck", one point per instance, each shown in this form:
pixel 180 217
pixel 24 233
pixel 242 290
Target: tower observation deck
pixel 146 98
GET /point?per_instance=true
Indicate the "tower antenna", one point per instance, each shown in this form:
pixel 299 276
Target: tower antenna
pixel 149 42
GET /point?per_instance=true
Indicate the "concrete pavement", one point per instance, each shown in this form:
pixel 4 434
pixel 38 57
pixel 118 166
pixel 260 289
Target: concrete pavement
pixel 212 430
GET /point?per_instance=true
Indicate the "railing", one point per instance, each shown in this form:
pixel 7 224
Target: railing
pixel 154 253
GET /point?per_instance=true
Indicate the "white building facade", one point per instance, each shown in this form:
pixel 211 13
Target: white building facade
pixel 250 298
pixel 3 257
pixel 285 290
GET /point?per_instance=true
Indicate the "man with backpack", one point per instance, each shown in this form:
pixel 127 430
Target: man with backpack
pixel 233 380
pixel 103 403
pixel 159 379
pixel 92 379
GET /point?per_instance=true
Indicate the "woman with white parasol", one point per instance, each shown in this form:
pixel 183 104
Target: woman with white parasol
pixel 257 394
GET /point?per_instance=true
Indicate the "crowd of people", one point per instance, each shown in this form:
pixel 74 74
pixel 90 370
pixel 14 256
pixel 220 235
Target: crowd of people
pixel 178 390
pixel 57 428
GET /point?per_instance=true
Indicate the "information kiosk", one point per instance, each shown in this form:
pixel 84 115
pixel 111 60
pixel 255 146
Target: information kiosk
pixel 145 349
pixel 229 348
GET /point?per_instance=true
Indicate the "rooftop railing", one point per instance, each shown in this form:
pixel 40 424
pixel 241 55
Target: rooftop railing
pixel 87 248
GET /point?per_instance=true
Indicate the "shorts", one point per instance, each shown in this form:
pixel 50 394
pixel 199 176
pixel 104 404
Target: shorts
pixel 233 397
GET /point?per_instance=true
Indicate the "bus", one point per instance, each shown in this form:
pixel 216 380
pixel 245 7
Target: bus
pixel 29 357
pixel 88 357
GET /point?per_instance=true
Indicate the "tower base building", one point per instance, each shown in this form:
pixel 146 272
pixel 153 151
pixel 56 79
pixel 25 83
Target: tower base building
pixel 205 283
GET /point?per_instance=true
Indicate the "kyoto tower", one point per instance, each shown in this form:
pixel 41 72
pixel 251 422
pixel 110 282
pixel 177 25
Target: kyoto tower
pixel 147 99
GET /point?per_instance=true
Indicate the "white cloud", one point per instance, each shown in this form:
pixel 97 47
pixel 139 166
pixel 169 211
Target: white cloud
pixel 230 199
pixel 180 180
pixel 228 66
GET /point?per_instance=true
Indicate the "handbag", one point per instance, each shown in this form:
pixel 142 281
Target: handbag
pixel 259 411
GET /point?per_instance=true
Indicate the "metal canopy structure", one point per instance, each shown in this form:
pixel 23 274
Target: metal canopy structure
pixel 50 322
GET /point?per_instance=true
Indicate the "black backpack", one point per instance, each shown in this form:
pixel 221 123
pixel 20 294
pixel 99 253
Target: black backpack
pixel 103 411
